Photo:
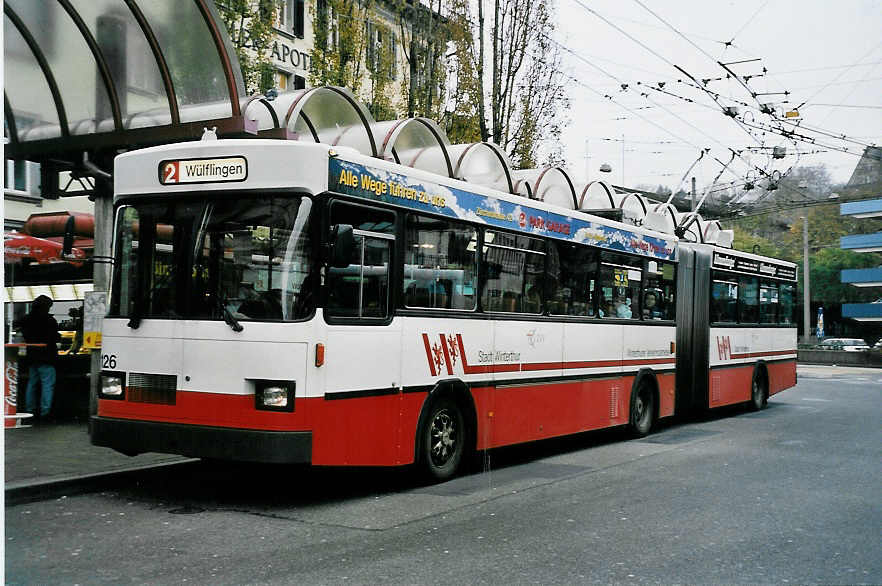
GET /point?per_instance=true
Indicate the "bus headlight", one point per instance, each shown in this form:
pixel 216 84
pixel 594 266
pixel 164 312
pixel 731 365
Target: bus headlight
pixel 113 385
pixel 273 395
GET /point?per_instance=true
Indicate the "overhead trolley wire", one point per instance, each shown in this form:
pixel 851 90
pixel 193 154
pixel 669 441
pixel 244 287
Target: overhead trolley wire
pixel 847 106
pixel 810 98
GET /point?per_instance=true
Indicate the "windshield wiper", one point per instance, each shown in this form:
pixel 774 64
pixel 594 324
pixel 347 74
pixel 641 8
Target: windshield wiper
pixel 229 318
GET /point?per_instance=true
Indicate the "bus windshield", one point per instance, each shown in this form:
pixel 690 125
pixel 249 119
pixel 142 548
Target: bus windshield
pixel 246 258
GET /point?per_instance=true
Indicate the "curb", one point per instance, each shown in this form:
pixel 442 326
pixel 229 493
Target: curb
pixel 28 491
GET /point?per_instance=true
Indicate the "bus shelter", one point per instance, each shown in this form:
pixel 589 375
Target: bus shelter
pixel 88 79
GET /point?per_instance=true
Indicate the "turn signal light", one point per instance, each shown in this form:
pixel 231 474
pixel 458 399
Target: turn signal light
pixel 319 354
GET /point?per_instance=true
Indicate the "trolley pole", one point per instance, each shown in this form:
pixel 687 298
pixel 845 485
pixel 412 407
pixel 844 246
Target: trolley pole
pixel 693 194
pixel 806 291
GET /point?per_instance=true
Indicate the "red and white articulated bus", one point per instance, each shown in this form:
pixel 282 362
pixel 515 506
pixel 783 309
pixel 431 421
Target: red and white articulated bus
pixel 284 301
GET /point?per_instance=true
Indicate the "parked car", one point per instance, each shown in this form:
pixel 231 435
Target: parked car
pixel 847 344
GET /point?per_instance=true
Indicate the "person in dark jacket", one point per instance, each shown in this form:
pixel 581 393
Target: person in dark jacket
pixel 39 327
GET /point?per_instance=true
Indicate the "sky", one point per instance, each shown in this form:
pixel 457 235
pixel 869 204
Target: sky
pixel 826 53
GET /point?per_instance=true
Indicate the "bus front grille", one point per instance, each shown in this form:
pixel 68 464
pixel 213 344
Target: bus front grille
pixel 159 389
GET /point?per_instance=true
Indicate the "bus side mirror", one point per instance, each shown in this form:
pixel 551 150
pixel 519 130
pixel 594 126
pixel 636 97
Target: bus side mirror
pixel 341 244
pixel 67 245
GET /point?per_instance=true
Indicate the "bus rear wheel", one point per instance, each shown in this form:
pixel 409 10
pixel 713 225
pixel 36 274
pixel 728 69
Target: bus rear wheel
pixel 442 440
pixel 642 410
pixel 758 397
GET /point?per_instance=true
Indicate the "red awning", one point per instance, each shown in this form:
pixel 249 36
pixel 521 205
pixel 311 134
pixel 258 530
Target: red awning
pixel 19 248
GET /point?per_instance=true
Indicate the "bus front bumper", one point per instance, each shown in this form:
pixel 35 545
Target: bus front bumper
pixel 133 437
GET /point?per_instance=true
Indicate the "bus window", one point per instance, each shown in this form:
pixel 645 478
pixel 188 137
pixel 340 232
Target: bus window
pixel 248 258
pixel 440 265
pixel 659 291
pixel 515 268
pixel 123 303
pixel 748 300
pixel 362 288
pixel 724 302
pixel 578 280
pixel 785 303
pixel 768 307
pixel 621 278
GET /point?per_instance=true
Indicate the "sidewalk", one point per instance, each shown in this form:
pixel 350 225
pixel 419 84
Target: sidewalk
pixel 53 454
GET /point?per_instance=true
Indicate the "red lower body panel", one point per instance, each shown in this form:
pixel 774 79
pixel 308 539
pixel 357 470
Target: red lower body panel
pixel 513 414
pixel 727 386
pixel 782 375
pixel 732 385
pixel 381 430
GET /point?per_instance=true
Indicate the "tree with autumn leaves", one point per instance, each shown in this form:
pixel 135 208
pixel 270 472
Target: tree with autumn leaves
pixel 250 26
pixel 493 76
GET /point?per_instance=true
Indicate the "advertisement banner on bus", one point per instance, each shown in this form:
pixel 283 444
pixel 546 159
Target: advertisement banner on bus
pixel 376 184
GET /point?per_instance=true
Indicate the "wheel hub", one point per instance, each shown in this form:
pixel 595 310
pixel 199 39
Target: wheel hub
pixel 443 438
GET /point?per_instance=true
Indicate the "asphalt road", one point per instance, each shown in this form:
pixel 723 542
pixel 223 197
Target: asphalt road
pixel 789 495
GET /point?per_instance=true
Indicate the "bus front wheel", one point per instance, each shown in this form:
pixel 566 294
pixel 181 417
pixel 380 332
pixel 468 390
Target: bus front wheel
pixel 642 409
pixel 442 440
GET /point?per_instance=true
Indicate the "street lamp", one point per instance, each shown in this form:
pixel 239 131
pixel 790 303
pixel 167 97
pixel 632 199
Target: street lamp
pixel 806 294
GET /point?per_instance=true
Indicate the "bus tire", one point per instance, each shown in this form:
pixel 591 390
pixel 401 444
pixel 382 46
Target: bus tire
pixel 642 409
pixel 758 395
pixel 442 440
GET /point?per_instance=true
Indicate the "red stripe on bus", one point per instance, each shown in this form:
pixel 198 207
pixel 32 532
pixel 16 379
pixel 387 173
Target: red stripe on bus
pixel 759 354
pixel 447 361
pixel 542 366
pixel 592 364
pixel 649 361
pixel 429 355
pixel 466 367
pixel 535 366
pixel 608 363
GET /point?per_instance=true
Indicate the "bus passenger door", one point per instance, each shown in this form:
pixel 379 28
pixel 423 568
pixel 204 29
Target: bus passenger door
pixel 358 422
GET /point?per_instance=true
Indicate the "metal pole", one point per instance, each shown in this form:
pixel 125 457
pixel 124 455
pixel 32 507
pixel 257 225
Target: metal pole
pixel 806 292
pixel 693 194
pixel 101 270
pixel 587 162
pixel 623 160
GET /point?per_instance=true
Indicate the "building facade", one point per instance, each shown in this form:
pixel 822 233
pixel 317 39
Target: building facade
pixel 866 181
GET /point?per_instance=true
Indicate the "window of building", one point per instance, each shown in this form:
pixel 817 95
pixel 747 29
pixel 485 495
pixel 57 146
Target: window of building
pixel 17 176
pixel 440 264
pixel 326 26
pixel 620 282
pixel 514 273
pixel 659 298
pixel 291 17
pixel 381 50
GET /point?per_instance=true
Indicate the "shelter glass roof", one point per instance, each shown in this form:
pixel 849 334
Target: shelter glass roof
pixel 83 69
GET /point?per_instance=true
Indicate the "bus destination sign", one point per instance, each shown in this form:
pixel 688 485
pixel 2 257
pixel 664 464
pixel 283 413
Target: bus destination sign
pixel 762 268
pixel 216 170
pixel 378 184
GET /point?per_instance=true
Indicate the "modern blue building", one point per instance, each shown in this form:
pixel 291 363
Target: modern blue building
pixel 867 178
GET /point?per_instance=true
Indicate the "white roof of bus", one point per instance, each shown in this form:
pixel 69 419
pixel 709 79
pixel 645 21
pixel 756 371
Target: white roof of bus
pixel 750 255
pixel 281 164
